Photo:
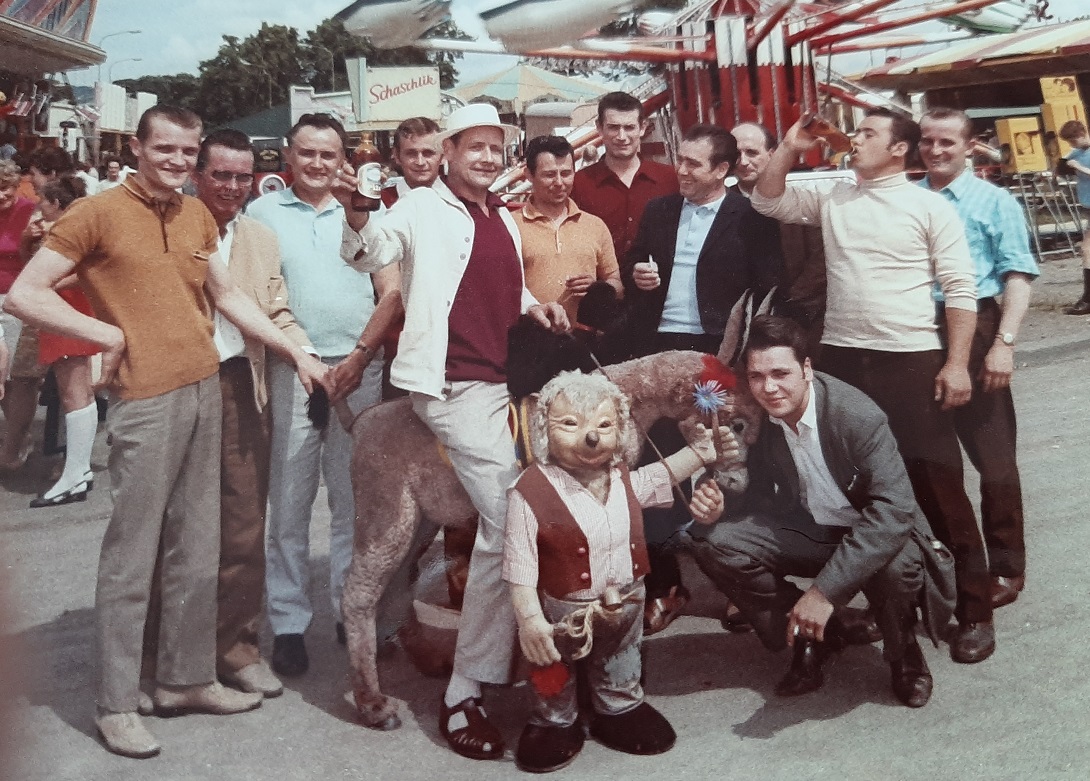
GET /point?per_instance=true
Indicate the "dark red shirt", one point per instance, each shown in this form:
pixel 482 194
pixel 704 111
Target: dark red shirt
pixel 488 301
pixel 598 190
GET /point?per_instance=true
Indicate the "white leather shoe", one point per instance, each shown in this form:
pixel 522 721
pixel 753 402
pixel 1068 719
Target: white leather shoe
pixel 256 677
pixel 211 698
pixel 125 734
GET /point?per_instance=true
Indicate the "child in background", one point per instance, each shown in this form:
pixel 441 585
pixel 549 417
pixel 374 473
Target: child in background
pixel 1075 133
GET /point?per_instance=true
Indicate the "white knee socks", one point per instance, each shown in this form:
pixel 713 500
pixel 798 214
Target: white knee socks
pixel 80 428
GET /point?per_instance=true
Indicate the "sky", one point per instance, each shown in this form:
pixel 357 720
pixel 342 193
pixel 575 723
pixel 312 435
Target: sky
pixel 176 41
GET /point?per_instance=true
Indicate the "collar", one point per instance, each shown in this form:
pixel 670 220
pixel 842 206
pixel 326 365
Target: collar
pixel 957 187
pixel 713 205
pixel 600 172
pixel 133 186
pixel 492 201
pixel 808 421
pixel 884 182
pixel 289 198
pixel 531 212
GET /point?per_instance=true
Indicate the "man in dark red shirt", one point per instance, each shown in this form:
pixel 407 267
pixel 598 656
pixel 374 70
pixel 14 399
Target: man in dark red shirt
pixel 619 186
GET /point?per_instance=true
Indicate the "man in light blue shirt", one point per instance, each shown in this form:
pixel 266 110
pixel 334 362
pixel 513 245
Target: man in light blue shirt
pixel 995 227
pixel 333 304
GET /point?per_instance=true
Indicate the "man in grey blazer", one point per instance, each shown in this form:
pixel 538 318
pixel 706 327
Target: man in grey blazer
pixel 828 499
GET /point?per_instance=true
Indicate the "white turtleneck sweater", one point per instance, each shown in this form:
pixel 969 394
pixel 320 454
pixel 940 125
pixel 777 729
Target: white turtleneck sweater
pixel 887 244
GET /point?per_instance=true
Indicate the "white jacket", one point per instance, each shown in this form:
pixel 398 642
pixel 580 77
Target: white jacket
pixel 430 232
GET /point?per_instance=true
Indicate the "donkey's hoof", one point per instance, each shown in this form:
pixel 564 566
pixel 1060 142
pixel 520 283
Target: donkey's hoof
pixel 387 724
pixel 382 717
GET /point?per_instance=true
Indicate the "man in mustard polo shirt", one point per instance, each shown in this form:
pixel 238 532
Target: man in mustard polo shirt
pixel 146 257
pixel 564 249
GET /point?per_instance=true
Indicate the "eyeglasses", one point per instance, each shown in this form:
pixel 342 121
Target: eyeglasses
pixel 224 177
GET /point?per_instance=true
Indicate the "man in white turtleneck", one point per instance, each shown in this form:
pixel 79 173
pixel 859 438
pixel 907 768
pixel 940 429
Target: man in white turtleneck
pixel 887 244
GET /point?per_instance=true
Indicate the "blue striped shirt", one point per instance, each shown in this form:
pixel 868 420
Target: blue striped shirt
pixel 995 227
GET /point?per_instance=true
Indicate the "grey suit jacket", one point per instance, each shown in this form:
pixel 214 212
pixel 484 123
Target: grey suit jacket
pixel 863 459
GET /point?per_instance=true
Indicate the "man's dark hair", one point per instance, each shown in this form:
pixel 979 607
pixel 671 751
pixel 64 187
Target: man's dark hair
pixel 182 117
pixel 226 137
pixel 901 128
pixel 51 161
pixel 64 190
pixel 557 146
pixel 413 127
pixel 771 142
pixel 724 145
pixel 940 113
pixel 618 101
pixel 319 122
pixel 768 331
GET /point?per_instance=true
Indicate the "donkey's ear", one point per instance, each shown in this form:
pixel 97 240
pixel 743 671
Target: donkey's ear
pixel 729 348
pixel 766 305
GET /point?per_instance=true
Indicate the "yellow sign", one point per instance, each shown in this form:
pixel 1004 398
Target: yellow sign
pixel 1060 89
pixel 1022 145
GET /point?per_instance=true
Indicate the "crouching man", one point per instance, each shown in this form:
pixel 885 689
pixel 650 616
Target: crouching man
pixel 575 532
pixel 828 499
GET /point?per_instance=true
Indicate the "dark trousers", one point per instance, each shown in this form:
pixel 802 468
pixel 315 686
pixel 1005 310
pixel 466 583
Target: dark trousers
pixel 244 489
pixel 903 386
pixel 747 558
pixel 987 429
pixel 662 523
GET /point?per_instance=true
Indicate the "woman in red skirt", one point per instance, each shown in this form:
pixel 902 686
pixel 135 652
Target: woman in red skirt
pixel 71 362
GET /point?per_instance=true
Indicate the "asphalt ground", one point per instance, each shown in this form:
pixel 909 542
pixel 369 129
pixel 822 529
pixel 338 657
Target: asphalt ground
pixel 1021 715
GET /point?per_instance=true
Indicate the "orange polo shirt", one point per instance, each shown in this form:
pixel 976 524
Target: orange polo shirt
pixel 552 253
pixel 143 266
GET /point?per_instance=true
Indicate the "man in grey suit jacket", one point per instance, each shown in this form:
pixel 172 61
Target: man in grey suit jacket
pixel 828 499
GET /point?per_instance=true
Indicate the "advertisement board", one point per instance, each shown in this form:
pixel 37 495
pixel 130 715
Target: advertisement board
pixel 383 97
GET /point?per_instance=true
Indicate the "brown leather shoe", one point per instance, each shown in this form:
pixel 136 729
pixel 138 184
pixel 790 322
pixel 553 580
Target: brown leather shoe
pixel 1005 590
pixel 911 680
pixel 661 612
pixel 479 739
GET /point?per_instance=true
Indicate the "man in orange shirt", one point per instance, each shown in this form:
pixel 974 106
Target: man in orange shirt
pixel 564 249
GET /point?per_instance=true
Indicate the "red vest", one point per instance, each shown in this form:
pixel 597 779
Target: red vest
pixel 562 548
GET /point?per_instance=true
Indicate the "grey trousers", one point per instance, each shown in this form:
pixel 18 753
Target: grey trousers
pixel 613 665
pixel 164 472
pixel 748 557
pixel 471 422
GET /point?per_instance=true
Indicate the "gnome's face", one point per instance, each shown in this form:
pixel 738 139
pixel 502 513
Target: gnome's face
pixel 584 439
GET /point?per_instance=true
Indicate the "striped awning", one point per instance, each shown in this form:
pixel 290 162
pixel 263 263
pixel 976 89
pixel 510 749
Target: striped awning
pixel 1026 54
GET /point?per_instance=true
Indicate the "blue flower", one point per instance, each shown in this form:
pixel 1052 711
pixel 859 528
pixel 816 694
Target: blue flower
pixel 709 397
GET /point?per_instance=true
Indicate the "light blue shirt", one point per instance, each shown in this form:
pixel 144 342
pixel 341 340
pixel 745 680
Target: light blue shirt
pixel 681 312
pixel 995 227
pixel 1082 157
pixel 330 300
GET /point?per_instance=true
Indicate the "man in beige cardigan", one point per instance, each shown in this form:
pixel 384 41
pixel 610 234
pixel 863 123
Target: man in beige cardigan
pixel 223 177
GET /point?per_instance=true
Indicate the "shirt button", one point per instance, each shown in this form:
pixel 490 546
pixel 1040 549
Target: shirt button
pixel 467 239
pixel 462 256
pixel 633 546
pixel 635 567
pixel 581 550
pixel 585 576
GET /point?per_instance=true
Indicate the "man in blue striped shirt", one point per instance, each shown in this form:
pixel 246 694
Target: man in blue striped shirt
pixel 995 227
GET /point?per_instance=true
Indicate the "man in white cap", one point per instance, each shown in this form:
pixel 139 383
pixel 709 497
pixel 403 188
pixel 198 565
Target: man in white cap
pixel 463 287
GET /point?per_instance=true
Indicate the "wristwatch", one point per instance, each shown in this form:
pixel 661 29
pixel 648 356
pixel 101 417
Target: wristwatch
pixel 1006 337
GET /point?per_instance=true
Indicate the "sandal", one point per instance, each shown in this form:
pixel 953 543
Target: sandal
pixel 479 739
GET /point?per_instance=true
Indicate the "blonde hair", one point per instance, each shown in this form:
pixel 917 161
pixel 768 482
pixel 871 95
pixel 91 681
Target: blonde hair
pixel 10 173
pixel 585 392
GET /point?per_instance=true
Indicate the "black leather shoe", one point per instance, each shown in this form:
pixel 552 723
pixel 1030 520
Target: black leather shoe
pixel 804 675
pixel 1080 307
pixel 911 678
pixel 545 749
pixel 1005 590
pixel 642 730
pixel 857 627
pixel 77 493
pixel 289 656
pixel 973 642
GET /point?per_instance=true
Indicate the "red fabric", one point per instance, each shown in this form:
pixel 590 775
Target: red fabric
pixel 52 347
pixel 549 681
pixel 598 190
pixel 714 371
pixel 488 302
pixel 13 222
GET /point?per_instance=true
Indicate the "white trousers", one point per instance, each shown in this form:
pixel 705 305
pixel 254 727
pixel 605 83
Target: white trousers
pixel 301 455
pixel 471 422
